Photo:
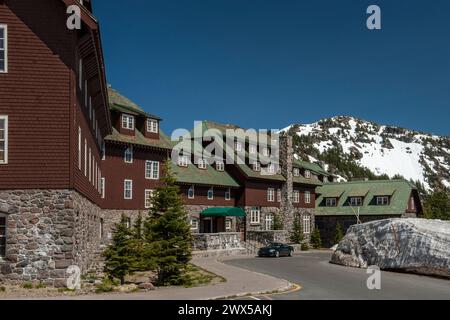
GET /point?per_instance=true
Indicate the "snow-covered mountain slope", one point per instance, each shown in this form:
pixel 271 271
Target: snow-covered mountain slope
pixel 354 148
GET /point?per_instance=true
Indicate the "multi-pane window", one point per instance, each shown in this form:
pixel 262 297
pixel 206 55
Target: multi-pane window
pixel 220 166
pixel 296 172
pixel 272 168
pixel 3 139
pixel 331 202
pixel 228 224
pixel 90 165
pixel 296 196
pixel 269 221
pixel 3 48
pixel 211 193
pixel 191 192
pixel 307 224
pixel 148 198
pixel 253 149
pixel 382 201
pixel 85 157
pixel 356 201
pixel 194 223
pixel 152 125
pixel 307 174
pixel 279 195
pixel 183 161
pixel 128 189
pixel 265 152
pixel 238 146
pixel 255 215
pixel 2 235
pixel 256 166
pixel 152 170
pixel 308 197
pixel 127 122
pixel 128 155
pixel 270 194
pixel 102 187
pixel 79 148
pixel 103 150
pixel 202 164
pixel 228 194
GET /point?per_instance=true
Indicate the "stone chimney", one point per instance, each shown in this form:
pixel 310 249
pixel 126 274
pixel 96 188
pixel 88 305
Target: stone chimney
pixel 286 162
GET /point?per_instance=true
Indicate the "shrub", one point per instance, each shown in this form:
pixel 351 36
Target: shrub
pixel 339 234
pixel 316 240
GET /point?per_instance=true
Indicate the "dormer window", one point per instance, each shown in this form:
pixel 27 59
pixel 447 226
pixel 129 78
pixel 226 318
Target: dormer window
pixel 296 172
pixel 265 152
pixel 3 48
pixel 253 149
pixel 383 201
pixel 331 202
pixel 127 122
pixel 183 161
pixel 256 166
pixel 272 168
pixel 238 146
pixel 202 164
pixel 152 126
pixel 356 201
pixel 220 166
pixel 307 174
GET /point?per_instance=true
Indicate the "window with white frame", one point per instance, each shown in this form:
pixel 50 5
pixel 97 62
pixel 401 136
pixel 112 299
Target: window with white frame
pixel 356 201
pixel 220 166
pixel 152 170
pixel 228 194
pixel 307 174
pixel 3 139
pixel 211 193
pixel 191 192
pixel 202 164
pixel 2 235
pixel 148 198
pixel 383 201
pixel 413 204
pixel 307 224
pixel 307 197
pixel 80 73
pixel 256 166
pixel 265 152
pixel 255 215
pixel 79 148
pixel 128 189
pixel 194 223
pixel 296 172
pixel 228 224
pixel 238 146
pixel 272 168
pixel 269 221
pixel 102 187
pixel 3 48
pixel 152 125
pixel 271 195
pixel 87 99
pixel 127 122
pixel 85 157
pixel 128 155
pixel 90 165
pixel 103 150
pixel 253 149
pixel 183 161
pixel 331 202
pixel 279 195
pixel 296 196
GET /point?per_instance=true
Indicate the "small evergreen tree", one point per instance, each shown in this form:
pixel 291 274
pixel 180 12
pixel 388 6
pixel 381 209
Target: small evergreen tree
pixel 137 245
pixel 167 233
pixel 277 222
pixel 339 233
pixel 119 256
pixel 316 240
pixel 437 205
pixel 296 235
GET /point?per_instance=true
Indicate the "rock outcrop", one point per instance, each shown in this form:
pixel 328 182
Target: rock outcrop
pixel 408 245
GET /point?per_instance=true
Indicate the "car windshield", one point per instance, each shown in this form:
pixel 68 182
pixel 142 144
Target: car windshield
pixel 276 245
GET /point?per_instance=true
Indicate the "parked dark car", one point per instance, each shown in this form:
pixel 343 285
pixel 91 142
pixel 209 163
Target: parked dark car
pixel 276 250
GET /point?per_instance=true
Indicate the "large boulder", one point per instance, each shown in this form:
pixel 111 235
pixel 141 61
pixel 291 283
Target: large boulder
pixel 407 245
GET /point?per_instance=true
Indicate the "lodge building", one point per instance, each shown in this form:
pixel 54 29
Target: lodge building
pixel 75 154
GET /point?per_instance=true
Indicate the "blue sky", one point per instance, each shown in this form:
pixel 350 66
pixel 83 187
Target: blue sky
pixel 270 63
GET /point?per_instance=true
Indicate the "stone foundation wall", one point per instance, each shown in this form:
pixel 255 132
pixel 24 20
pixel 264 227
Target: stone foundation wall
pixel 216 241
pixel 47 231
pixel 112 217
pixel 265 237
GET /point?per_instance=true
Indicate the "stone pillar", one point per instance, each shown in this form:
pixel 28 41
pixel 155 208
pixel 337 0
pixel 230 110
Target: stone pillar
pixel 286 162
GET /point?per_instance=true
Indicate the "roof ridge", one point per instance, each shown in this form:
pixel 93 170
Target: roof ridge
pixel 367 181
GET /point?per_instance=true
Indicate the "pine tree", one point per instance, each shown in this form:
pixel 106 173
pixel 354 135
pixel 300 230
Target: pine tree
pixel 437 205
pixel 167 233
pixel 137 245
pixel 339 234
pixel 119 256
pixel 316 240
pixel 296 235
pixel 277 222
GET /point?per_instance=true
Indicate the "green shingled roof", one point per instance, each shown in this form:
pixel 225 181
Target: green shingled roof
pixel 123 104
pixel 399 190
pixel 250 173
pixel 209 176
pixel 139 139
pixel 313 167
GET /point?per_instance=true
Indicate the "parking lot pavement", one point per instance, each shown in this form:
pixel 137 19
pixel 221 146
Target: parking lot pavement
pixel 321 280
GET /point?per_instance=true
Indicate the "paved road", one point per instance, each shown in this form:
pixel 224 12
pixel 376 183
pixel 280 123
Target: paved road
pixel 321 280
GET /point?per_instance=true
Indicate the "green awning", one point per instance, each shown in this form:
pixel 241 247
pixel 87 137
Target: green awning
pixel 223 212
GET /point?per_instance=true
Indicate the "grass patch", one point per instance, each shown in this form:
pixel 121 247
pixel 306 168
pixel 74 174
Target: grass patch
pixel 62 290
pixel 107 285
pixel 195 276
pixel 40 285
pixel 2 289
pixel 27 285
